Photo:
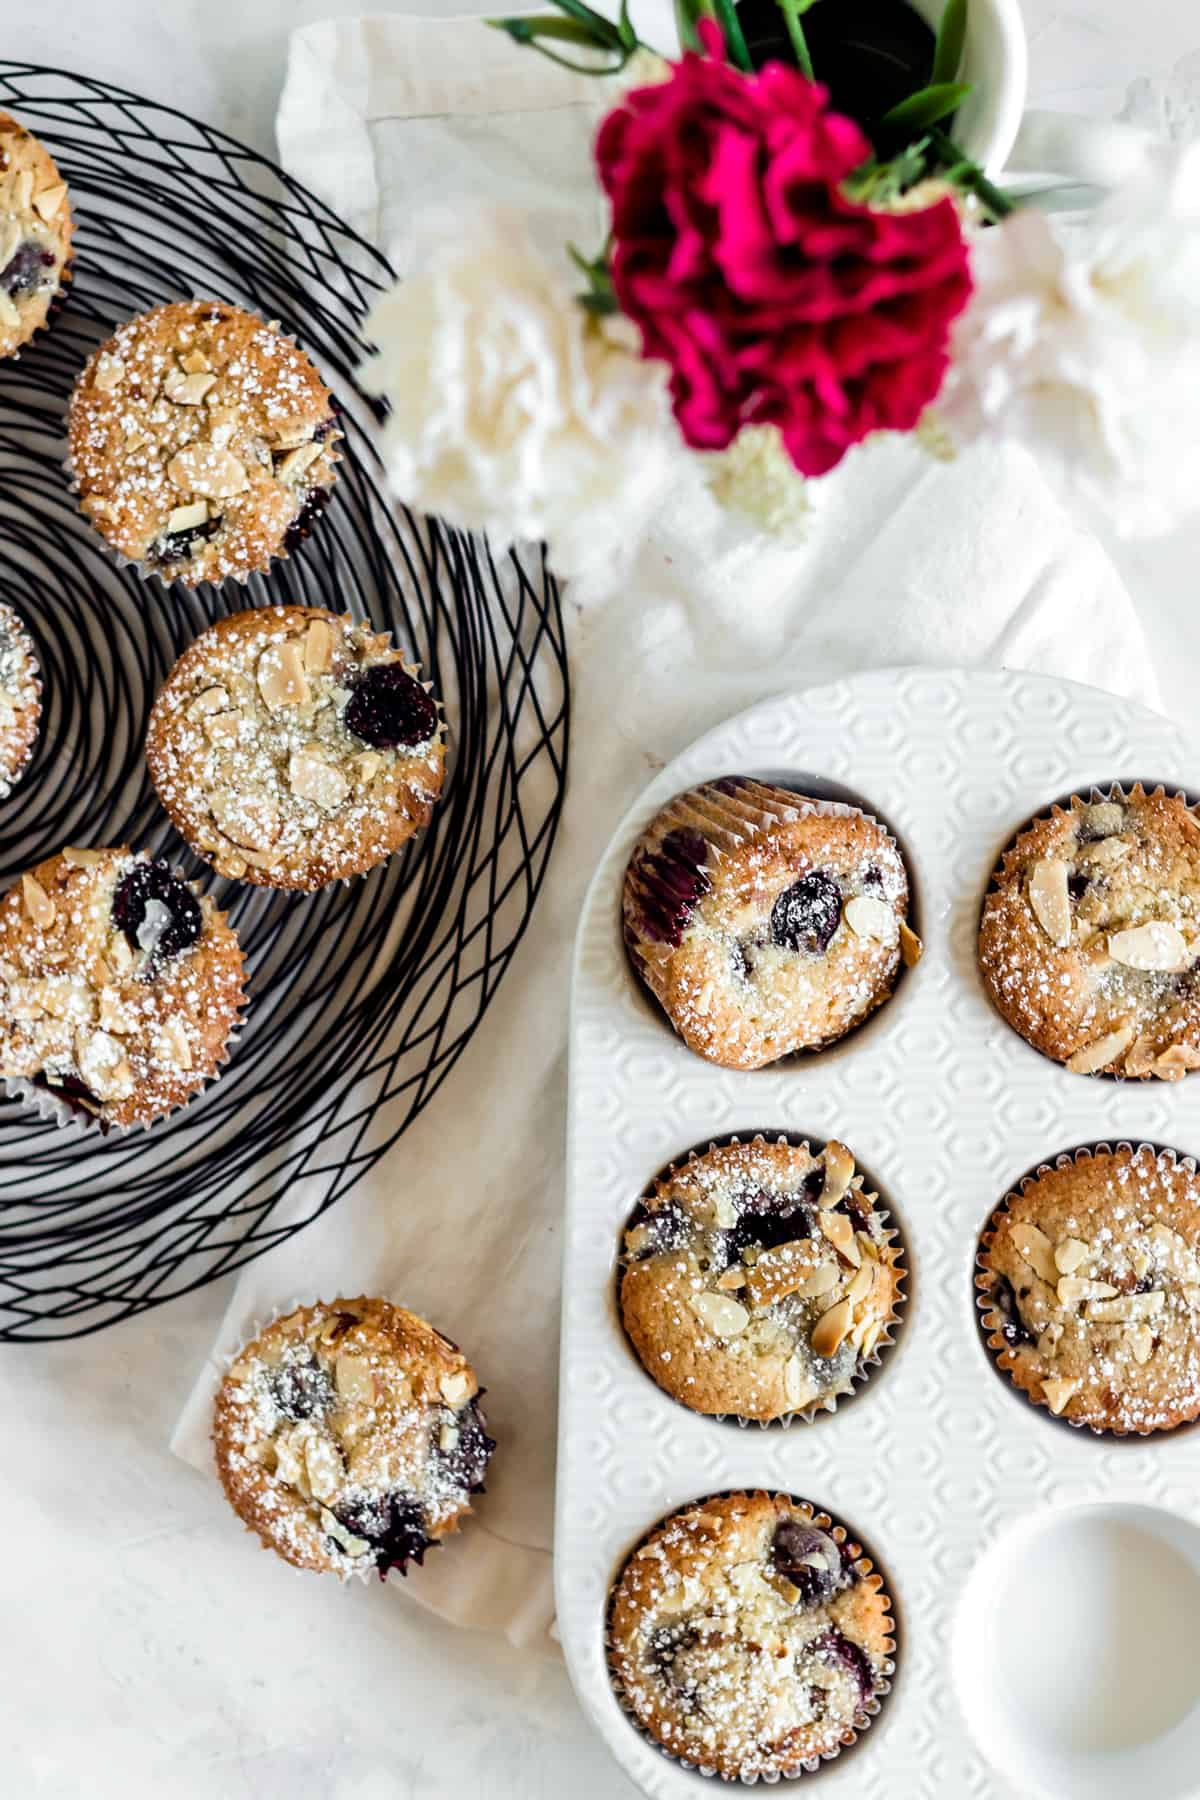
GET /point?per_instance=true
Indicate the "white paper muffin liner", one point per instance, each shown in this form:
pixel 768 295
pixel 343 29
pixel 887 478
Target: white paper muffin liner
pixel 863 1368
pixel 868 1712
pixel 992 1336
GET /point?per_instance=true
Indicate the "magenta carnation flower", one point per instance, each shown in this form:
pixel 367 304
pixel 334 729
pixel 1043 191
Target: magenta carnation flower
pixel 774 298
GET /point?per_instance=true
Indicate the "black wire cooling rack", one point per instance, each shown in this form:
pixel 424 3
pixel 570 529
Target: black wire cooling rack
pixel 362 997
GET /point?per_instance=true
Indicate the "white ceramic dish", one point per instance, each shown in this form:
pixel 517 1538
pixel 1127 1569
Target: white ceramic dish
pixel 1046 1581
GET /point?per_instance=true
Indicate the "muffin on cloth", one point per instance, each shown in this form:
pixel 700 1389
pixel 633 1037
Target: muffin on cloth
pixel 760 1279
pixel 1089 1288
pixel 120 986
pixel 763 922
pixel 1089 942
pixel 20 699
pixel 291 747
pixel 349 1437
pixel 750 1637
pixel 202 442
pixel 35 235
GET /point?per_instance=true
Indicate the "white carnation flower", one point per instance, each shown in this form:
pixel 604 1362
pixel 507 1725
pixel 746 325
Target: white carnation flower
pixel 513 411
pixel 1082 340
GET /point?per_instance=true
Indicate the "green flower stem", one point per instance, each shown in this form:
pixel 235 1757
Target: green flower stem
pixel 969 175
pixel 791 10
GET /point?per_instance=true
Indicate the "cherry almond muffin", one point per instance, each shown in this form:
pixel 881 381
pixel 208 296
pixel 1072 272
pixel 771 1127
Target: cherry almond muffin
pixel 20 699
pixel 120 985
pixel 759 1279
pixel 291 747
pixel 750 1637
pixel 349 1437
pixel 35 234
pixel 1089 942
pixel 202 442
pixel 1089 1287
pixel 763 922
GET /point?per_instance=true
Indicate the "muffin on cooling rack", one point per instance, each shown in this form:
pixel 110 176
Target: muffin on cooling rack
pixel 35 234
pixel 202 442
pixel 1089 1286
pixel 1090 938
pixel 120 986
pixel 760 1279
pixel 764 922
pixel 349 1436
pixel 20 699
pixel 750 1637
pixel 292 747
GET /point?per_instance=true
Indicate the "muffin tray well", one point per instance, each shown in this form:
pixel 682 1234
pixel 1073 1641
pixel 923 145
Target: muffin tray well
pixel 1045 1580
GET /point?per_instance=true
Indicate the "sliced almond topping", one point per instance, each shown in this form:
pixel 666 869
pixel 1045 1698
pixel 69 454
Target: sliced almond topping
pixel 120 953
pixel 323 1466
pixel 725 1318
pixel 38 904
pixel 183 518
pixel 82 859
pixel 1051 1338
pixel 353 1379
pixel 1139 1058
pixel 333 1527
pixel 831 1330
pixel 781 1271
pixel 840 1232
pixel 22 190
pixel 281 677
pixel 839 1172
pixel 187 390
pixel 732 1280
pixel 102 1064
pixel 871 918
pixel 725 1212
pixel 205 469
pixel 1105 853
pixel 223 728
pixel 448 1437
pixel 1125 1307
pixel 1074 1288
pixel 175 1045
pixel 1176 1061
pixel 289 1461
pixel 794 1381
pixel 247 820
pixel 1051 900
pixel 1037 1250
pixel 296 461
pixel 1158 946
pixel 861 1285
pixel 311 777
pixel 318 647
pixel 911 947
pixel 821 1281
pixel 212 700
pixel 1103 818
pixel 48 203
pixel 366 766
pixel 1059 1392
pixel 10 237
pixel 195 363
pixel 1071 1254
pixel 1101 1052
pixel 456 1387
pixel 1140 1339
pixel 109 372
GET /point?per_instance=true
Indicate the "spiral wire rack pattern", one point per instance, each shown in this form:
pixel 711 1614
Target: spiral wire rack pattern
pixel 363 996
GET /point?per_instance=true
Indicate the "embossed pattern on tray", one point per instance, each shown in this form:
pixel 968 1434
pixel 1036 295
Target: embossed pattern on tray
pixel 948 1108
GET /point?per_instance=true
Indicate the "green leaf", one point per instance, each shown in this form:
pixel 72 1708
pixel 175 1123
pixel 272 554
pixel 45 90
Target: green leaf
pixel 526 30
pixel 926 106
pixel 791 10
pixel 628 35
pixel 952 35
pixel 603 30
pixel 688 14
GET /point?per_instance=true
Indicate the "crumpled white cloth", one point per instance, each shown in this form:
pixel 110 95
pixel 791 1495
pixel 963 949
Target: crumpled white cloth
pixel 909 562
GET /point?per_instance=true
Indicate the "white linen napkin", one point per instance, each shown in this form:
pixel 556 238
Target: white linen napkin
pixel 909 562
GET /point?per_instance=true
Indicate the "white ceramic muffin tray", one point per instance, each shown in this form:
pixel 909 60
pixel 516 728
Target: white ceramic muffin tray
pixel 1046 1582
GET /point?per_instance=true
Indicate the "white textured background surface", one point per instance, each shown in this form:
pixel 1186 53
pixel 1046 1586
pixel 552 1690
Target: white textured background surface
pixel 146 1646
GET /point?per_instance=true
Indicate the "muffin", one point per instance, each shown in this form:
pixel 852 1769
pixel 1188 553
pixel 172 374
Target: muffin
pixel 292 748
pixel 763 922
pixel 1090 936
pixel 750 1637
pixel 120 986
pixel 1089 1288
pixel 202 442
pixel 20 699
pixel 759 1279
pixel 349 1437
pixel 35 234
